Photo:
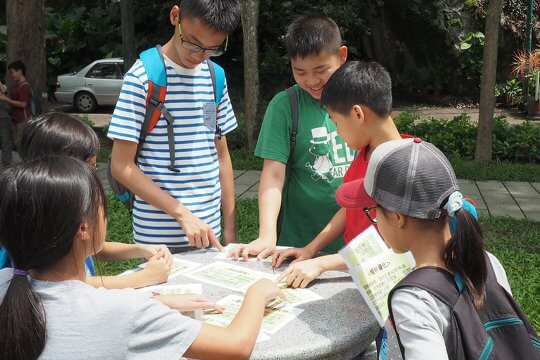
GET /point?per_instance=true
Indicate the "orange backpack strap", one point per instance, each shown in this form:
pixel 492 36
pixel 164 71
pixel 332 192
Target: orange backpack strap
pixel 154 66
pixel 156 95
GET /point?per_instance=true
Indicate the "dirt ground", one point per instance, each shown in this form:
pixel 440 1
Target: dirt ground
pixel 514 116
pixel 102 116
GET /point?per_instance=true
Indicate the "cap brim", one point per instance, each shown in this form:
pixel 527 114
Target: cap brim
pixel 353 195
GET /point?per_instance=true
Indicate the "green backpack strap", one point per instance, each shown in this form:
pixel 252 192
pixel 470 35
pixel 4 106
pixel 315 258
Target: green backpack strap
pixel 293 100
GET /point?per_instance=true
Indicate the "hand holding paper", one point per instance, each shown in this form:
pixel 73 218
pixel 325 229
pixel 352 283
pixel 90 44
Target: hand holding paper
pixel 375 269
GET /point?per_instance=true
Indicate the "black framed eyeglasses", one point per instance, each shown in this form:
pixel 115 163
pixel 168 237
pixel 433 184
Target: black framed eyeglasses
pixel 196 48
pixel 368 211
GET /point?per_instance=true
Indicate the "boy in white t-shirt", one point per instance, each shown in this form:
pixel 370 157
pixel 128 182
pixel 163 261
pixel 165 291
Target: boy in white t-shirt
pixel 180 207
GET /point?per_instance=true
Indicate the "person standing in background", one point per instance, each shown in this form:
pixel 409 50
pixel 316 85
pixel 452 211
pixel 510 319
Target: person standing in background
pixel 19 100
pixel 6 141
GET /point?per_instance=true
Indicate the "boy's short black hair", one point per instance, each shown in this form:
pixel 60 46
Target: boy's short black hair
pixel 220 15
pixel 310 34
pixel 359 83
pixel 18 65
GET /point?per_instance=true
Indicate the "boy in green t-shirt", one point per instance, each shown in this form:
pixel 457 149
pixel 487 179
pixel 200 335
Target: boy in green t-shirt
pixel 321 157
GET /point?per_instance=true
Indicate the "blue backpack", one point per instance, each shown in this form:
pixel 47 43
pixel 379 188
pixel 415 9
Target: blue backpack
pixel 154 65
pixel 35 102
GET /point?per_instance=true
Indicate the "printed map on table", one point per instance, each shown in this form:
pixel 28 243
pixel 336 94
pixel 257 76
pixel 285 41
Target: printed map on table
pixel 274 317
pixel 223 254
pixel 227 275
pixel 375 269
pixel 179 267
pixel 295 297
pixel 173 289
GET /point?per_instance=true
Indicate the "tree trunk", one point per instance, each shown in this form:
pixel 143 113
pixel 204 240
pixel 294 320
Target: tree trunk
pixel 26 39
pixel 128 33
pixel 250 19
pixel 487 86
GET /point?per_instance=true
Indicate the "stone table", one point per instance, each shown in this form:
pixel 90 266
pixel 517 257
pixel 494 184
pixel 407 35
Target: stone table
pixel 340 326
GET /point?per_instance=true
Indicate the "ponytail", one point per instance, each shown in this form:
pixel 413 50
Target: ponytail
pixel 56 194
pixel 464 254
pixel 22 320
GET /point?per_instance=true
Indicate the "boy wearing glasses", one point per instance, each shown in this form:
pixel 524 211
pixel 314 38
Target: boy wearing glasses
pixel 181 208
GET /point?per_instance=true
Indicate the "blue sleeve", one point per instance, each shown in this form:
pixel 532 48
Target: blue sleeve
pixel 467 206
pixel 5 261
pixel 89 266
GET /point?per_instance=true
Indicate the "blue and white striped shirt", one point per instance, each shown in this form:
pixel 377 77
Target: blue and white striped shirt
pixel 197 184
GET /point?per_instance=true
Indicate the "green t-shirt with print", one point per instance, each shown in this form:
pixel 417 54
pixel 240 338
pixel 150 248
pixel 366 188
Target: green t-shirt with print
pixel 320 161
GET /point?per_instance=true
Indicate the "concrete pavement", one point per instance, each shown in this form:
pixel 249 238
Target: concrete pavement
pixel 519 200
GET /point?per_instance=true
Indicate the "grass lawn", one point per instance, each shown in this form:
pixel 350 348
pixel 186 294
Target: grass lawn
pixel 515 242
pixel 501 171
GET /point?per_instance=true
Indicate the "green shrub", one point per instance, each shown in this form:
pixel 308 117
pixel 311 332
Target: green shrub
pixel 515 142
pixel 457 137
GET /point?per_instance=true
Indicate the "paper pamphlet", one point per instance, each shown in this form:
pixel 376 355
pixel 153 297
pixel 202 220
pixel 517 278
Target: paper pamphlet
pixel 173 289
pixel 365 245
pixel 224 253
pixel 274 317
pixel 176 290
pixel 179 267
pixel 295 297
pixel 227 275
pixel 379 273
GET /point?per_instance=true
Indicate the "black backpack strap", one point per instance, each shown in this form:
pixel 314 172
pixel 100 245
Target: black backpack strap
pixel 293 100
pixel 213 76
pixel 434 280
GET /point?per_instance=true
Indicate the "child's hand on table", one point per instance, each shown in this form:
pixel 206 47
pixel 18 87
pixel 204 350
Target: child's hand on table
pixel 148 251
pixel 188 302
pixel 260 247
pixel 157 269
pixel 299 254
pixel 301 273
pixel 267 288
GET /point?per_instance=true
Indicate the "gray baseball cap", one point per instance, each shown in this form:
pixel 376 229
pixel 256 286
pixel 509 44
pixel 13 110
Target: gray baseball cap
pixel 408 176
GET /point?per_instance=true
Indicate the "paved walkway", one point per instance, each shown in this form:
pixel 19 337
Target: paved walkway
pixel 513 116
pixel 519 200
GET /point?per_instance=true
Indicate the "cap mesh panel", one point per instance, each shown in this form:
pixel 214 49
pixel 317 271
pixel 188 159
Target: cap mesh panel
pixel 433 181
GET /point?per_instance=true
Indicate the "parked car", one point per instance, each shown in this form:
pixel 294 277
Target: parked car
pixel 96 84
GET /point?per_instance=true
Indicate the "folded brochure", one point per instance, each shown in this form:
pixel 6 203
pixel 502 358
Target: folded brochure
pixel 375 269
